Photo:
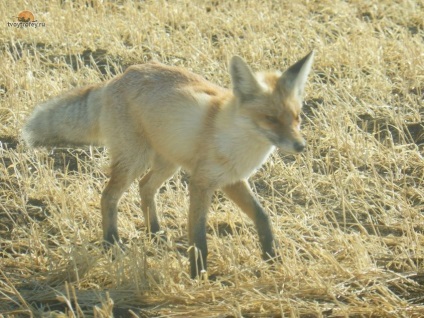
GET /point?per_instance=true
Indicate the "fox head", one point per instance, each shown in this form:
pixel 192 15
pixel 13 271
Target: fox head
pixel 272 101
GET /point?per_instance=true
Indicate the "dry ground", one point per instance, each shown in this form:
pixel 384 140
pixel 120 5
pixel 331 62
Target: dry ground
pixel 348 213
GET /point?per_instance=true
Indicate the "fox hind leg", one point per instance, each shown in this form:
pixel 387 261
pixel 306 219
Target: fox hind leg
pixel 160 171
pixel 125 168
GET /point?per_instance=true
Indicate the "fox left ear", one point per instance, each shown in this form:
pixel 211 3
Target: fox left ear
pixel 243 80
pixel 294 78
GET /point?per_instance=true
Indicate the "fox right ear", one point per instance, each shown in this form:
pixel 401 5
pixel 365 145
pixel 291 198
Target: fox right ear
pixel 294 79
pixel 243 79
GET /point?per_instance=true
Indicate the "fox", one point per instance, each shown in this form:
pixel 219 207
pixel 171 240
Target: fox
pixel 155 119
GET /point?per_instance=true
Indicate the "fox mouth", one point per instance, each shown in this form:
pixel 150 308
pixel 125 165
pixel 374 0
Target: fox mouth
pixel 289 146
pixel 294 148
pixel 286 145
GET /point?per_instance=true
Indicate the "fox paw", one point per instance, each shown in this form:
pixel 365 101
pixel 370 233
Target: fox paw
pixel 159 237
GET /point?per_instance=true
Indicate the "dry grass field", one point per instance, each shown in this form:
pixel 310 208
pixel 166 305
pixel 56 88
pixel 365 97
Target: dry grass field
pixel 348 212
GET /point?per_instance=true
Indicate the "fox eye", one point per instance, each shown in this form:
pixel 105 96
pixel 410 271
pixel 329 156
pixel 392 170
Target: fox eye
pixel 271 119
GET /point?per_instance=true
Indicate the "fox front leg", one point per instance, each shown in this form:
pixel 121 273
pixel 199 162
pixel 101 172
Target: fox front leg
pixel 242 195
pixel 200 199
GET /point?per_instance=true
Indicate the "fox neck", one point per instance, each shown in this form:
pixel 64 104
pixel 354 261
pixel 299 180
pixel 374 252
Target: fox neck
pixel 241 147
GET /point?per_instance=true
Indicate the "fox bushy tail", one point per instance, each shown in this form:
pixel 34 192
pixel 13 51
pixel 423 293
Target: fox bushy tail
pixel 71 119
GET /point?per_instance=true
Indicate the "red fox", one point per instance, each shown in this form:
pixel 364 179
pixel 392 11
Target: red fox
pixel 162 118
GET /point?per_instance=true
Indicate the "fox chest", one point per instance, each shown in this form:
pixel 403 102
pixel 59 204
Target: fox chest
pixel 241 161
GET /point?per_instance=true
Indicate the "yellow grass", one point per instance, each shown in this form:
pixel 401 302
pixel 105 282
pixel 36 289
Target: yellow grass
pixel 348 213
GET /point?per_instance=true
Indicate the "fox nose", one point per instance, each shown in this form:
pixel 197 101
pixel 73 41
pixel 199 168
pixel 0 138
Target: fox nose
pixel 299 146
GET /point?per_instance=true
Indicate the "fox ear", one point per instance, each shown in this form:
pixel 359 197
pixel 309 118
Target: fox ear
pixel 294 78
pixel 243 79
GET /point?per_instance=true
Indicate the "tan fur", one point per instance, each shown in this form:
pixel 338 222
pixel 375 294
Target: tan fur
pixel 163 117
